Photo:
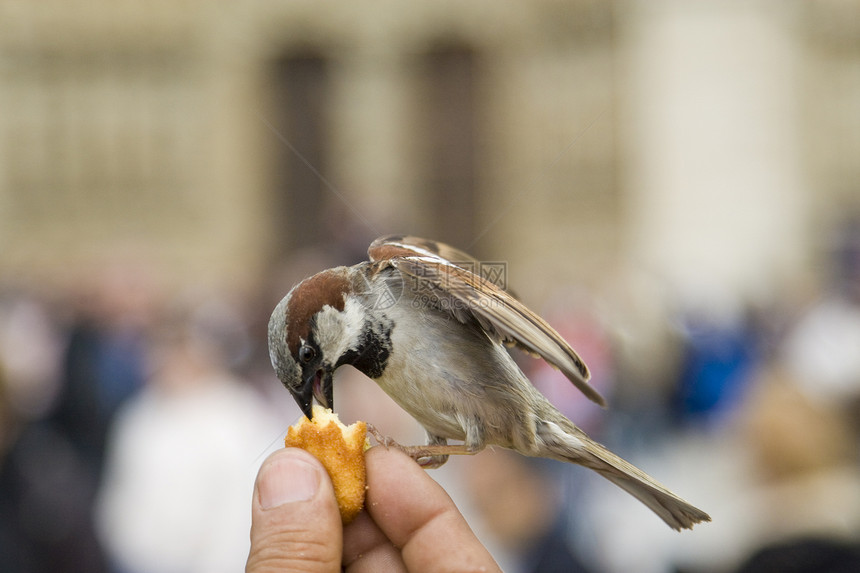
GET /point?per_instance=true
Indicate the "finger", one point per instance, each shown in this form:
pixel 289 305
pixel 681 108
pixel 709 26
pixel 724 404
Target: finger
pixel 367 550
pixel 295 523
pixel 419 517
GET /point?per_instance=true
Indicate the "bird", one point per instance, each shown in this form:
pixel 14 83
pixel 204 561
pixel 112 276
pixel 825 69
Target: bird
pixel 424 322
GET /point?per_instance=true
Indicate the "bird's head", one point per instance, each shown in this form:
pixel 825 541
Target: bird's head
pixel 320 325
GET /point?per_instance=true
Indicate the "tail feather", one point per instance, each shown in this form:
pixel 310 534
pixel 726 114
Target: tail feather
pixel 676 512
pixel 580 449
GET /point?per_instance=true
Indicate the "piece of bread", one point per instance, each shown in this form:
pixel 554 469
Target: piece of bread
pixel 341 450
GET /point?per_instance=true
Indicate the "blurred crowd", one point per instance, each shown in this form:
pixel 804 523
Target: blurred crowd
pixel 131 427
pixel 132 424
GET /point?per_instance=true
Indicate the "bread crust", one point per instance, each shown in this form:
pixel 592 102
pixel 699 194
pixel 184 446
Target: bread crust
pixel 340 449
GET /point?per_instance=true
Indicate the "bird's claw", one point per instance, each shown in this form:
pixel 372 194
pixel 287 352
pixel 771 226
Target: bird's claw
pixel 431 456
pixel 424 456
pixel 381 438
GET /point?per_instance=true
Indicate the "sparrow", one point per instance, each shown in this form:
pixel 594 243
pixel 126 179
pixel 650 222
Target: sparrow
pixel 421 321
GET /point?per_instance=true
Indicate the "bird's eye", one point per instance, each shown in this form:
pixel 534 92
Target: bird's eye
pixel 306 354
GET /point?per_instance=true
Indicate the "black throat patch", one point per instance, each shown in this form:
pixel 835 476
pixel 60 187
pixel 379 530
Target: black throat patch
pixel 370 356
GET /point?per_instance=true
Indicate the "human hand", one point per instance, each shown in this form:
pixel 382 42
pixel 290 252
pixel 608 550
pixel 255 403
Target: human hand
pixel 409 522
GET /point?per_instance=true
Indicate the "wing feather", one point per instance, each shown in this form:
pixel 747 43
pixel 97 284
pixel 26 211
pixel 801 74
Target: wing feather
pixel 408 245
pixel 466 294
pixel 391 246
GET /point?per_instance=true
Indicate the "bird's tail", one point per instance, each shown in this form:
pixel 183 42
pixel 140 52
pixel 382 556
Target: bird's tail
pixel 576 447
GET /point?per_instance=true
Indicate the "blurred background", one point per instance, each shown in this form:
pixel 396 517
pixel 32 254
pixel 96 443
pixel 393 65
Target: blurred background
pixel 674 185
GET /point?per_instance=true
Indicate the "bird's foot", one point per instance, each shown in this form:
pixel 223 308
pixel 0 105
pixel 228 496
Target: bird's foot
pixel 428 457
pixel 381 438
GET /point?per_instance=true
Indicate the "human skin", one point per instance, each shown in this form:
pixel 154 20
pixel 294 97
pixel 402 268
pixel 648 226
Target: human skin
pixel 409 522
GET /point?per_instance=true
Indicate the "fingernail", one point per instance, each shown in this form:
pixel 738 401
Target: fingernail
pixel 287 480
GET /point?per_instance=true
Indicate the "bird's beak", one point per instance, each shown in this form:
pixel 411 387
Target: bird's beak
pixel 316 384
pixel 304 398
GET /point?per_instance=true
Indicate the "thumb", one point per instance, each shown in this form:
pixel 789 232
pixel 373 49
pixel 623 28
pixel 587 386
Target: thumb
pixel 295 523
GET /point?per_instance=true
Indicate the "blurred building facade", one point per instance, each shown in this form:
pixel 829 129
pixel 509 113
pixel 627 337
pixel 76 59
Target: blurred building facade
pixel 707 143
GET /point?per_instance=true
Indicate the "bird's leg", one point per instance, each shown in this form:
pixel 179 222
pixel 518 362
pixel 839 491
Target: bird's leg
pixel 431 456
pixel 434 454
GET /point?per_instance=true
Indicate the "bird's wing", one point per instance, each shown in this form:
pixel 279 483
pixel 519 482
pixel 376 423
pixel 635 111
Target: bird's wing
pixel 391 246
pixel 465 294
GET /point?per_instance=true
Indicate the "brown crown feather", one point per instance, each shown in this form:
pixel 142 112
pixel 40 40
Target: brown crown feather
pixel 325 288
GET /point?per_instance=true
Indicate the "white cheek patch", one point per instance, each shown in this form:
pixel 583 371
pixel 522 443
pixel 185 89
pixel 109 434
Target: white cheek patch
pixel 336 332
